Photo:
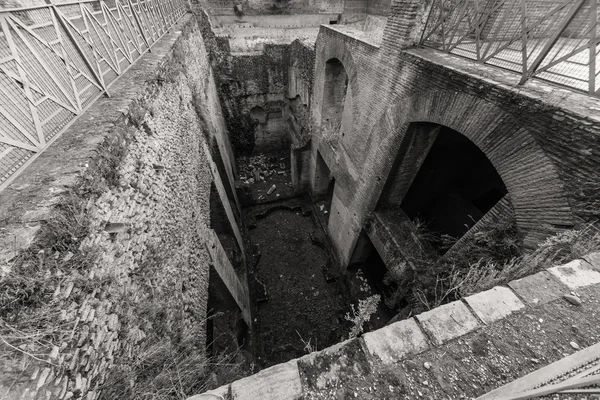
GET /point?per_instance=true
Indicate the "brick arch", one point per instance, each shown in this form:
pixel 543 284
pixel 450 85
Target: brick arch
pixel 326 51
pixel 537 193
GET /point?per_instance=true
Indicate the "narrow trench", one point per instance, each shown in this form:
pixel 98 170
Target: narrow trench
pixel 299 301
pixel 299 296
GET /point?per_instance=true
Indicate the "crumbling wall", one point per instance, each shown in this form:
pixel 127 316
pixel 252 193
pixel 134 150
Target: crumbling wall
pixel 247 81
pixel 104 264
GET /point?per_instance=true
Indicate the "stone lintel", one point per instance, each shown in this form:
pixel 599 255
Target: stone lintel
pixel 224 282
pixel 225 201
pixel 381 227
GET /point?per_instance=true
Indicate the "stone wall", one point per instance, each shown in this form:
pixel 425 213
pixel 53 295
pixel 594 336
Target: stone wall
pixel 541 145
pixel 104 258
pixel 225 7
pixel 249 84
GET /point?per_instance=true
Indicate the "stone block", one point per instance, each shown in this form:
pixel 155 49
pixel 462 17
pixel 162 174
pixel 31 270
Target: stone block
pixel 279 382
pixel 448 321
pixel 391 343
pixel 576 274
pixel 215 394
pixel 539 288
pixel 593 260
pixel 494 304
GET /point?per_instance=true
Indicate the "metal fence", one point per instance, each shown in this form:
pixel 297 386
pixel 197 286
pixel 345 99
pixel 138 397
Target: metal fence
pixel 555 40
pixel 55 60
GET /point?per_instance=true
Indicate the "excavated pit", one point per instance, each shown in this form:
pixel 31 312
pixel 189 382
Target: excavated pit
pixel 300 297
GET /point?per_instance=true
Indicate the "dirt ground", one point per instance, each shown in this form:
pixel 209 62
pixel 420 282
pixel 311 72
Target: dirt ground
pixel 304 307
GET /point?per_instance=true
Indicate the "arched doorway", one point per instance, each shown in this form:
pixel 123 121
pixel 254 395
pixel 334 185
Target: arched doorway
pixel 442 179
pixel 259 114
pixel 337 99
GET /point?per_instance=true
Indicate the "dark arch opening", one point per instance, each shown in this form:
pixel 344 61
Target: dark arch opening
pixel 334 95
pixel 259 114
pixel 454 187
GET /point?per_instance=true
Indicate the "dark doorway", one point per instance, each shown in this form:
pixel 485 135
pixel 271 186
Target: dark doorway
pixel 334 95
pixel 455 186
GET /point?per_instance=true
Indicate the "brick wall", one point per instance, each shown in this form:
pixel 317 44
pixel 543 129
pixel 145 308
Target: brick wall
pixel 540 145
pixel 116 215
pixel 379 7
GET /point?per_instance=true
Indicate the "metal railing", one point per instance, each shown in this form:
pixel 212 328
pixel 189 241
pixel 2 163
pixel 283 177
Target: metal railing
pixel 56 59
pixel 555 40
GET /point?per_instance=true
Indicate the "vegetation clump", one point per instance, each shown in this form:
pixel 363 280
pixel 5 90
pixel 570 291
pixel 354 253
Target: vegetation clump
pixel 362 314
pixel 492 257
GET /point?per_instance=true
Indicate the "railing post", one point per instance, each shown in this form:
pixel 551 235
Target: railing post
pixel 87 62
pixel 593 45
pixel 477 30
pixel 137 21
pixel 553 39
pixel 524 38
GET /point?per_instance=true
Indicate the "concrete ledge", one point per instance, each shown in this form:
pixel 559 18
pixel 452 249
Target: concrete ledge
pixel 448 321
pixel 393 342
pixel 280 382
pixel 215 394
pixel 539 288
pixel 494 304
pixel 576 274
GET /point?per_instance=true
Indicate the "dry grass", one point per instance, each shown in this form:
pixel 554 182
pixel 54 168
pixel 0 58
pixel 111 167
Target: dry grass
pixel 492 258
pixel 558 249
pixel 171 367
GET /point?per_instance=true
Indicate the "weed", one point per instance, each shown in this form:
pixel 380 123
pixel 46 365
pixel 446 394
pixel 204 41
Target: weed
pixel 308 347
pixel 361 314
pixel 170 365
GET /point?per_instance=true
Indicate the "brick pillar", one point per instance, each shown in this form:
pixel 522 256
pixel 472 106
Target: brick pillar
pixel 405 23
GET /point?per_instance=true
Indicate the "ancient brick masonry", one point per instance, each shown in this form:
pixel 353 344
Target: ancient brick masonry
pixel 540 144
pixel 147 228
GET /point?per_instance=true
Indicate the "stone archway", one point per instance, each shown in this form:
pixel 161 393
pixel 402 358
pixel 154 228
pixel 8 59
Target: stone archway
pixel 536 192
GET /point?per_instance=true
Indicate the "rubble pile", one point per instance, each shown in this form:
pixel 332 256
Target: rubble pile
pixel 259 168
